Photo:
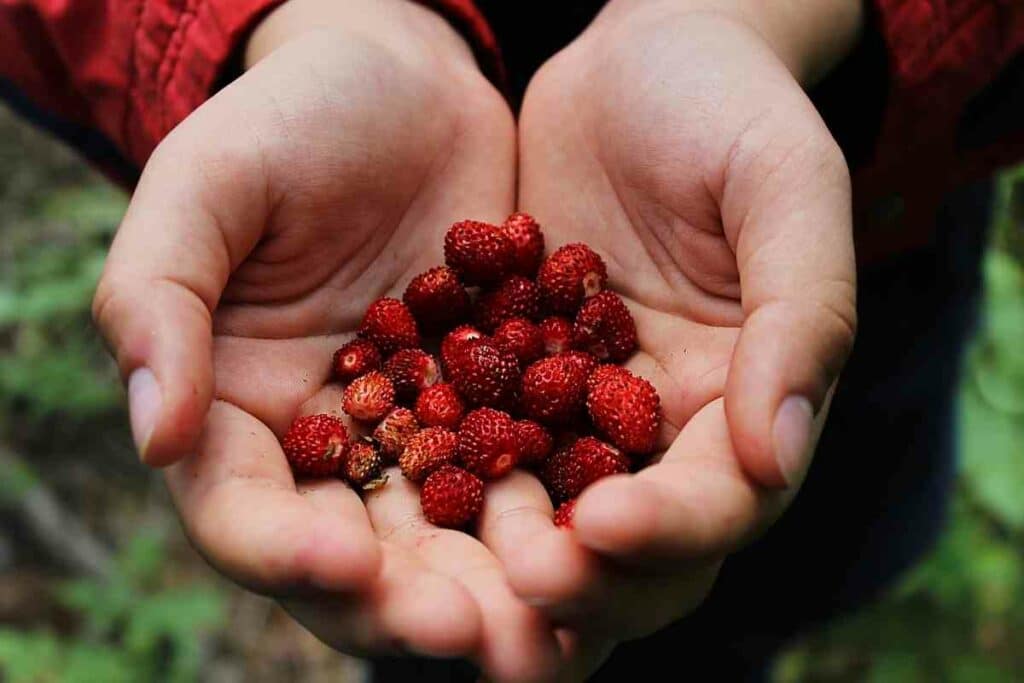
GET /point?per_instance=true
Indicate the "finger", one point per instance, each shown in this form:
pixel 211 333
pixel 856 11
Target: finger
pixel 180 239
pixel 786 208
pixel 545 565
pixel 410 609
pixel 517 644
pixel 696 503
pixel 573 584
pixel 241 510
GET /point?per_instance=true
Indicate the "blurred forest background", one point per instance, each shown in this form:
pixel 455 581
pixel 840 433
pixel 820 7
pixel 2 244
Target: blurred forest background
pixel 97 582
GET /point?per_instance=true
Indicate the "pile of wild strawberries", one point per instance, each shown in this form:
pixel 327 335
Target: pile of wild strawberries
pixel 532 382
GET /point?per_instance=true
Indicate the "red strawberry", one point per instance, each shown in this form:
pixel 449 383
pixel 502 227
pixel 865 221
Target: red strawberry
pixel 569 275
pixel 451 497
pixel 355 358
pixel 570 470
pixel 564 514
pixel 315 445
pixel 600 373
pixel 389 324
pixel 394 431
pixel 369 398
pixel 533 443
pixel 487 443
pixel 437 299
pixel 480 252
pixel 554 390
pixel 557 335
pixel 515 297
pixel 364 467
pixel 582 360
pixel 625 408
pixel 440 406
pixel 528 241
pixel 463 333
pixel 427 451
pixel 605 328
pixel 483 374
pixel 411 371
pixel 521 338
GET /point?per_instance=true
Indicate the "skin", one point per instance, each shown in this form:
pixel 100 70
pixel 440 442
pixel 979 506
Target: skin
pixel 318 185
pixel 674 141
pixel 674 137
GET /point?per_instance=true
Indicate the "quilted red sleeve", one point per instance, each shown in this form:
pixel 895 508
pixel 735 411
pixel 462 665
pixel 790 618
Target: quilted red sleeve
pixel 125 72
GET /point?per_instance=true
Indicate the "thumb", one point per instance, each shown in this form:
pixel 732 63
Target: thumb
pixel 794 248
pixel 165 272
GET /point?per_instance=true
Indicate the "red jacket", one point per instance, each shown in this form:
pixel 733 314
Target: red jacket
pixel 112 77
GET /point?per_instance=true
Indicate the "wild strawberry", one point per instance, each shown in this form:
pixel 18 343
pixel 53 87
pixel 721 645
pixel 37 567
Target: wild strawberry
pixel 487 443
pixel 389 324
pixel 605 328
pixel 556 332
pixel 394 431
pixel 564 514
pixel 427 451
pixel 625 408
pixel 315 445
pixel 533 443
pixel 600 373
pixel 437 299
pixel 572 469
pixel 515 297
pixel 451 497
pixel 460 334
pixel 411 371
pixel 521 338
pixel 369 398
pixel 554 390
pixel 364 467
pixel 355 358
pixel 483 374
pixel 528 241
pixel 569 275
pixel 440 406
pixel 585 362
pixel 480 252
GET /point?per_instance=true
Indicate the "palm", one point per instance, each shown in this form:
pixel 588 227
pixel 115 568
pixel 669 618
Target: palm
pixel 345 181
pixel 654 144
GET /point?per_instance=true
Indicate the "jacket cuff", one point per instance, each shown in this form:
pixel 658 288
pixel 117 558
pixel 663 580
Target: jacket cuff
pixel 180 51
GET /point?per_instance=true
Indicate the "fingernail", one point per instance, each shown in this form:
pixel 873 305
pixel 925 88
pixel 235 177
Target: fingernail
pixel 791 436
pixel 144 399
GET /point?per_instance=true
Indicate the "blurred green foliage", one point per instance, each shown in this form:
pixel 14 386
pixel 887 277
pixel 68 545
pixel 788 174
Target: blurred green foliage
pixel 959 616
pixel 51 361
pixel 130 627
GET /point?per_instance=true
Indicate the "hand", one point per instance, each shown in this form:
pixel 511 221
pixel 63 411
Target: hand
pixel 263 226
pixel 680 146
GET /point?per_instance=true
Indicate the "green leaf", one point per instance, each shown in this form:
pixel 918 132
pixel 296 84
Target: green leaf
pixel 895 667
pixel 993 460
pixel 86 663
pixel 142 559
pixel 28 657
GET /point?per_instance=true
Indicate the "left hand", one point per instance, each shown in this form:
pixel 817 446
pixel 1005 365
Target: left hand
pixel 679 145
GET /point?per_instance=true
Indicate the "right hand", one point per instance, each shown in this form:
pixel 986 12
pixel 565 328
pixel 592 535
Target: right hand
pixel 261 229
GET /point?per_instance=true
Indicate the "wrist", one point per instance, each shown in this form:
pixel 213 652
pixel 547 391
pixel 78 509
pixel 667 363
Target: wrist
pixel 809 36
pixel 401 25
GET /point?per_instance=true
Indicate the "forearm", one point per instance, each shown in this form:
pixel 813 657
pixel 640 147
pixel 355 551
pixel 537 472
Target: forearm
pixel 405 26
pixel 809 36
